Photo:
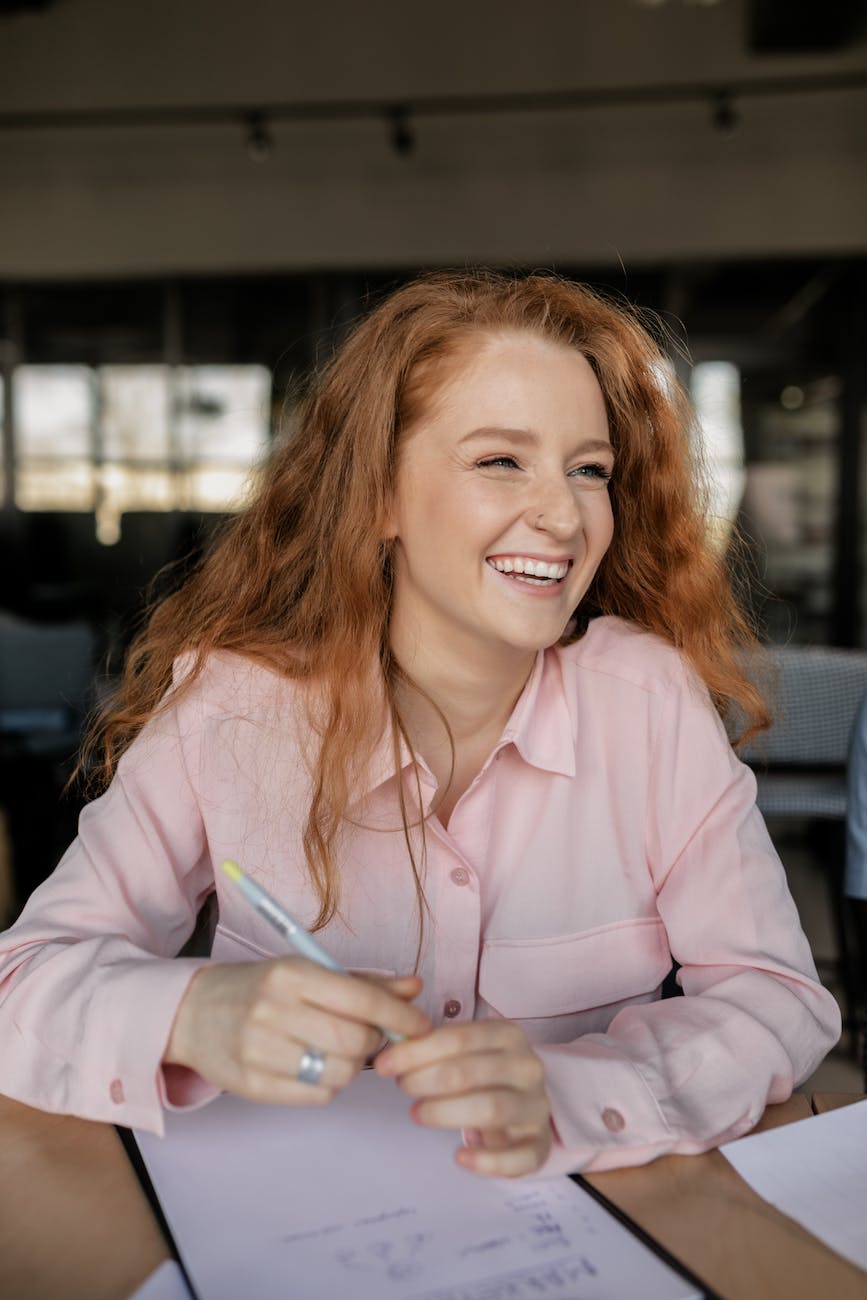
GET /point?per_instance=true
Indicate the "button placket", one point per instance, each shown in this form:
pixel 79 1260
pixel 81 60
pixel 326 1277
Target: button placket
pixel 458 914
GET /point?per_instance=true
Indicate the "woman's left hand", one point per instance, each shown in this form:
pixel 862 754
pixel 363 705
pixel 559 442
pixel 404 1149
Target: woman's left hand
pixel 482 1076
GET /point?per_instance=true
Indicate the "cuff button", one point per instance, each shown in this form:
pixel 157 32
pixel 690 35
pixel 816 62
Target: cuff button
pixel 115 1091
pixel 613 1120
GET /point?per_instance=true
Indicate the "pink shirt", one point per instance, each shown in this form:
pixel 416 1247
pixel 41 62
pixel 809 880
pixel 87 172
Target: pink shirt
pixel 611 828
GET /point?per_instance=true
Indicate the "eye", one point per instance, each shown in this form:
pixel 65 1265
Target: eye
pixel 596 473
pixel 498 462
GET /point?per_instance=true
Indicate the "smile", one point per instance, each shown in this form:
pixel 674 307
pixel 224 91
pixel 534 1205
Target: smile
pixel 536 573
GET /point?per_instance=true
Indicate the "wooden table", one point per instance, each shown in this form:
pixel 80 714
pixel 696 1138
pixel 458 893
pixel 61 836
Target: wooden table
pixel 75 1225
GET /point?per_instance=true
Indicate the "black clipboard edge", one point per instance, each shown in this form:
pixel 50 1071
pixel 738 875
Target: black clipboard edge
pixel 136 1159
pixel 652 1244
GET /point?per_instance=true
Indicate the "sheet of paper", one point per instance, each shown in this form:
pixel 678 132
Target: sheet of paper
pixel 165 1283
pixel 353 1199
pixel 815 1171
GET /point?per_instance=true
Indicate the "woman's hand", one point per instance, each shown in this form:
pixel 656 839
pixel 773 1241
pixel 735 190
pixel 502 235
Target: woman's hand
pixel 246 1026
pixel 482 1076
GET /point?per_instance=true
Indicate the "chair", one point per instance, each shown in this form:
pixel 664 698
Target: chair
pixel 46 674
pixel 800 767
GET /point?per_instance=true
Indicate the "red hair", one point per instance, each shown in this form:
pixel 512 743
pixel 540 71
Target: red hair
pixel 302 580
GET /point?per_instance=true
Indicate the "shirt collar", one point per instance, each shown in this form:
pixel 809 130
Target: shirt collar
pixel 540 728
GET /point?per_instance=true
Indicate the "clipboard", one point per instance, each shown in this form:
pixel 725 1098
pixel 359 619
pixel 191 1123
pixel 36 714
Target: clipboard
pixel 160 1174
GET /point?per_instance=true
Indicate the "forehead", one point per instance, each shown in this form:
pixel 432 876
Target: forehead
pixel 509 378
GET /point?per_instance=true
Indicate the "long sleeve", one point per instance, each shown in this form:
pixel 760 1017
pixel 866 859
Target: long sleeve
pixel 686 1073
pixel 89 985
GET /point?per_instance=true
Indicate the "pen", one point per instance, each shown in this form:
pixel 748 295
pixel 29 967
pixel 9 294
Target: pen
pixel 293 931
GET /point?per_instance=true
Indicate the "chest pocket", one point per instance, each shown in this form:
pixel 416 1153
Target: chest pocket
pixel 524 979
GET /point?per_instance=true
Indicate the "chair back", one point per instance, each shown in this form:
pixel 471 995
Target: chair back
pixel 46 672
pixel 818 693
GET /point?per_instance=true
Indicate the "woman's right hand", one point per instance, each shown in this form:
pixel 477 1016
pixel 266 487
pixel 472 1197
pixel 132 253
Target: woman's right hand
pixel 246 1026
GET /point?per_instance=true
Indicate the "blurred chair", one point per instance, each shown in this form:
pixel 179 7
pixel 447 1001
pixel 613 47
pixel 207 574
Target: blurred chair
pixel 46 675
pixel 800 767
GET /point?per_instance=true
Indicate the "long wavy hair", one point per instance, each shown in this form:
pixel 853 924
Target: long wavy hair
pixel 302 580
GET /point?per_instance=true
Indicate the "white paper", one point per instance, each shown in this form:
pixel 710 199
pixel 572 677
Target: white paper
pixel 165 1283
pixel 815 1171
pixel 354 1199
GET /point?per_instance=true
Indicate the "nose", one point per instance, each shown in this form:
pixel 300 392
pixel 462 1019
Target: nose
pixel 555 508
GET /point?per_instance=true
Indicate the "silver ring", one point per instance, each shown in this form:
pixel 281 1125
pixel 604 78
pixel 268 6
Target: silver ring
pixel 311 1067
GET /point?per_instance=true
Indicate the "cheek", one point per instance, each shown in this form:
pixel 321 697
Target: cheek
pixel 600 518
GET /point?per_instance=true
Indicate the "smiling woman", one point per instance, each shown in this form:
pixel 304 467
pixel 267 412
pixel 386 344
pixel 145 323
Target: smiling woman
pixel 451 688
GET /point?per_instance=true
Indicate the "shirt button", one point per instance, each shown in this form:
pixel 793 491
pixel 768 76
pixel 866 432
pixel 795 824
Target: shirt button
pixel 115 1091
pixel 613 1120
pixel 451 1009
pixel 460 876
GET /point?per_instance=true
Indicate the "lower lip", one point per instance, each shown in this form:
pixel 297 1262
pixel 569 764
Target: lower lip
pixel 530 589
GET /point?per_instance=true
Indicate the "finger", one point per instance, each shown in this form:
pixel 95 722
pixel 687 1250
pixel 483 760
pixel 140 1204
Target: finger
pixel 403 986
pixel 265 1053
pixel 452 1040
pixel 498 1139
pixel 481 1070
pixel 523 1158
pixel 327 1032
pixel 262 1085
pixel 491 1108
pixel 348 995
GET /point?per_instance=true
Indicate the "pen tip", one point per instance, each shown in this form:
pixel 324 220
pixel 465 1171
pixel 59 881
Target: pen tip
pixel 232 870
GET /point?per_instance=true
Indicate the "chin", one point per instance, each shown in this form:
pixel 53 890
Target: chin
pixel 532 642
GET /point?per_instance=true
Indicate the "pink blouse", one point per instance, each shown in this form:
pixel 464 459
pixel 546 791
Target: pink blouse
pixel 611 829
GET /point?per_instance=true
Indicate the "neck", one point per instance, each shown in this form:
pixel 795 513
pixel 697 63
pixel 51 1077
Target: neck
pixel 476 693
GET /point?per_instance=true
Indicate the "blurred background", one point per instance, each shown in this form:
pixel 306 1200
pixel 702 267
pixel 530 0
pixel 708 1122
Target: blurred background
pixel 197 197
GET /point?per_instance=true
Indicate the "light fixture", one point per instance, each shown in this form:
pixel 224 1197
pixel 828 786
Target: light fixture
pixel 402 134
pixel 259 141
pixel 724 116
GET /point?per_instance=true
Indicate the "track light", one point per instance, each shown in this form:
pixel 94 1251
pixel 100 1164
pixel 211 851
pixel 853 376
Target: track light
pixel 402 134
pixel 724 116
pixel 259 140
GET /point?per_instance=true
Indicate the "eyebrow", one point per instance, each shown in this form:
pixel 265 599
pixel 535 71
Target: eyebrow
pixel 525 437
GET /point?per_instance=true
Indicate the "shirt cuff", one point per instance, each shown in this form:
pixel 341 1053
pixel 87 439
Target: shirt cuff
pixel 603 1114
pixel 181 1088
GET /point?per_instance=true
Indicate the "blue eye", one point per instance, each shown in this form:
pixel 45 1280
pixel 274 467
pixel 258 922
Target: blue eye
pixel 598 472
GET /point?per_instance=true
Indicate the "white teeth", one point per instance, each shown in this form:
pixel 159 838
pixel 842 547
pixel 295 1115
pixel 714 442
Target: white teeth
pixel 531 568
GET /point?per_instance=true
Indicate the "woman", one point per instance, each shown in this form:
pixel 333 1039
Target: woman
pixel 451 690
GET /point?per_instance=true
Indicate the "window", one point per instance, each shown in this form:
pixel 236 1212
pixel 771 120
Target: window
pixel 715 389
pixel 138 437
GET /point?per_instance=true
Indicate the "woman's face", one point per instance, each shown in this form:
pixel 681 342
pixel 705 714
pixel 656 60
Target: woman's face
pixel 501 511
